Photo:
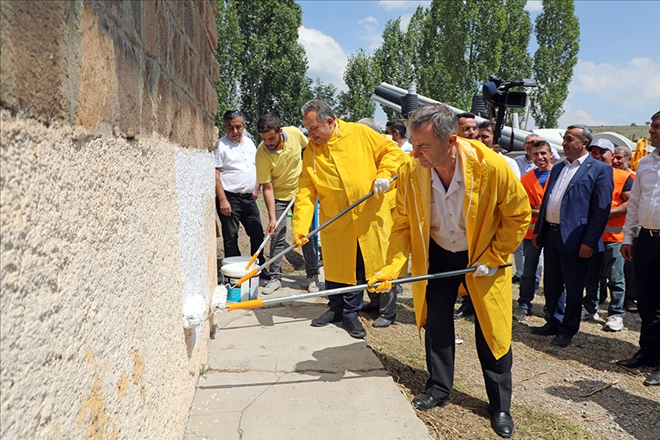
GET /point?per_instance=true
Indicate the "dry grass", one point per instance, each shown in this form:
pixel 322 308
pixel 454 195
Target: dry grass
pixel 551 385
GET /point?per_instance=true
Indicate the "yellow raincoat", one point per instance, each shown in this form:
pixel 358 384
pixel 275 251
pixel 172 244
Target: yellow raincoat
pixel 497 213
pixel 339 173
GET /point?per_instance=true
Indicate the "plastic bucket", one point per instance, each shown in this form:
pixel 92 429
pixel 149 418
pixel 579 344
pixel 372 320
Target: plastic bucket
pixel 246 291
pixel 233 260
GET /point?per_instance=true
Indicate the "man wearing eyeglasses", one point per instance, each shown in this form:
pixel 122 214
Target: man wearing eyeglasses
pixel 236 186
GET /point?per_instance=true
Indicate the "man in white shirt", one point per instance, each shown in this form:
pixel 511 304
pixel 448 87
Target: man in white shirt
pixel 236 186
pixel 397 129
pixel 643 222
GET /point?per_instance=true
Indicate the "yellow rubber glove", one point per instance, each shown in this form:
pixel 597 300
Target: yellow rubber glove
pixel 299 240
pixel 384 279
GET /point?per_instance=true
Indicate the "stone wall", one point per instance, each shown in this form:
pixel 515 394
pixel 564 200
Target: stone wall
pixel 107 214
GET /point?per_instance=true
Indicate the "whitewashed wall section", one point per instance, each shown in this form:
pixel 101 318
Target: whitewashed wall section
pixel 195 184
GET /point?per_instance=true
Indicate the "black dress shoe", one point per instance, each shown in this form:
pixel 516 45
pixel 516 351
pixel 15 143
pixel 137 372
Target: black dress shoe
pixel 326 318
pixel 383 322
pixel 561 341
pixel 369 308
pixel 425 402
pixel 547 329
pixel 638 360
pixel 515 279
pixel 354 327
pixel 464 311
pixel 653 379
pixel 502 424
pixel 630 306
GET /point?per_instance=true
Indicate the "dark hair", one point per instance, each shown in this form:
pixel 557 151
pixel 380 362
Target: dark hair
pixel 542 143
pixel 467 115
pixel 586 132
pixel 232 114
pixel 268 122
pixel 444 120
pixel 487 124
pixel 397 125
pixel 323 110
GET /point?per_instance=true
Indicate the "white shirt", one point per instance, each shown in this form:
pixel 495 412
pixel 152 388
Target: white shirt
pixel 236 162
pixel 447 216
pixel 407 147
pixel 513 165
pixel 644 202
pixel 553 211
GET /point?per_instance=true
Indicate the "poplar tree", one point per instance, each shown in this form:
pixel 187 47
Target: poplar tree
pixel 227 55
pixel 361 76
pixel 269 64
pixel 558 37
pixel 394 59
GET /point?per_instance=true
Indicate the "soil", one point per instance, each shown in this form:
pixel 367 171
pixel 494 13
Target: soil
pixel 576 392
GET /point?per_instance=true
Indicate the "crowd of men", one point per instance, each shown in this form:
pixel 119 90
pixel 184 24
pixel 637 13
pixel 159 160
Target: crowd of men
pixel 450 200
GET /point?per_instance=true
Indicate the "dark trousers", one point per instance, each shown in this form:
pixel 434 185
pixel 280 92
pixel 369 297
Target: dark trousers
pixel 348 303
pixel 563 270
pixel 647 267
pixel 244 211
pixel 440 340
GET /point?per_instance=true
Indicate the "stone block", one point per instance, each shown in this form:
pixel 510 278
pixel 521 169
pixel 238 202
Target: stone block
pixel 114 9
pixel 34 58
pixel 211 101
pixel 164 32
pixel 189 19
pixel 210 25
pixel 128 79
pixel 150 31
pixel 177 55
pixel 97 65
pixel 164 103
pixel 132 22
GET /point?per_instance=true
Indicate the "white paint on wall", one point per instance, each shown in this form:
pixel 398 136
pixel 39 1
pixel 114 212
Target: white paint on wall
pixel 195 184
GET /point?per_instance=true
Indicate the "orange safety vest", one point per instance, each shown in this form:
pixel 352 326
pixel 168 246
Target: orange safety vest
pixel 535 194
pixel 614 228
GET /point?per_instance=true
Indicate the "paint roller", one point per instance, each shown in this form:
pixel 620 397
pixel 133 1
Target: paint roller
pixel 256 270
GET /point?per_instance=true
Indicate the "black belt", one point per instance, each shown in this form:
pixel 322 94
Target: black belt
pixel 655 233
pixel 553 226
pixel 248 196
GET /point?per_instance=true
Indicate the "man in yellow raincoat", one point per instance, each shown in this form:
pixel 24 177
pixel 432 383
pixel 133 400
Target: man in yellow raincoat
pixel 458 205
pixel 342 163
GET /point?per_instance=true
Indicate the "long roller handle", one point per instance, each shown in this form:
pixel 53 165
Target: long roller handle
pixel 263 243
pixel 256 303
pixel 256 270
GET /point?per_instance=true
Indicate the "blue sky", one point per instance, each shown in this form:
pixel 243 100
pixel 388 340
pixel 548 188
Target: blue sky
pixel 616 81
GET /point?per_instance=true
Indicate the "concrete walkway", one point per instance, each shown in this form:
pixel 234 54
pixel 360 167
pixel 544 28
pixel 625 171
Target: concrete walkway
pixel 272 376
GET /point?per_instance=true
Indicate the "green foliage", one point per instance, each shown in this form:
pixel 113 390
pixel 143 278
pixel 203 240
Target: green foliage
pixel 227 55
pixel 361 77
pixel 266 63
pixel 322 91
pixel 558 36
pixel 394 57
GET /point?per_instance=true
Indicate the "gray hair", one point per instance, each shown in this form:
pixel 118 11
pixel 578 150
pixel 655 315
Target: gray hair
pixel 323 110
pixel 445 121
pixel 532 135
pixel 371 124
pixel 586 132
pixel 627 152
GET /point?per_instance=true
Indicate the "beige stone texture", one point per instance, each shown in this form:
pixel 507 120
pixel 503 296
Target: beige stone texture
pixel 92 340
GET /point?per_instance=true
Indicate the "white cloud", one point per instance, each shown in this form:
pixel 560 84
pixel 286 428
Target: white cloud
pixel 534 5
pixel 633 86
pixel 405 21
pixel 371 34
pixel 394 5
pixel 325 57
pixel 580 116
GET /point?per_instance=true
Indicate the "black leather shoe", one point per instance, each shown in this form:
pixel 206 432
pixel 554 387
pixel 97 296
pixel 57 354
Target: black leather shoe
pixel 383 322
pixel 653 379
pixel 515 279
pixel 502 424
pixel 638 360
pixel 354 327
pixel 326 318
pixel 547 329
pixel 464 311
pixel 425 402
pixel 369 308
pixel 561 341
